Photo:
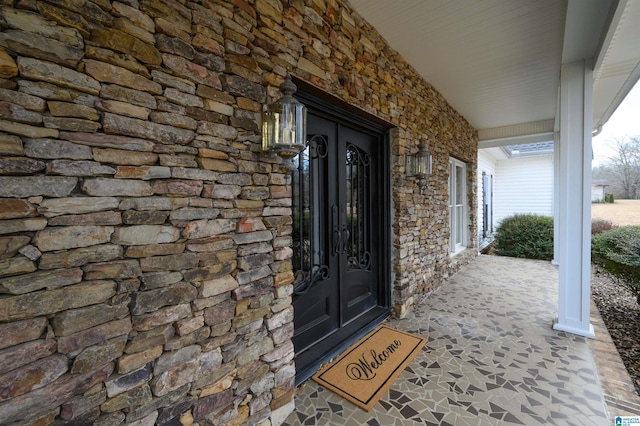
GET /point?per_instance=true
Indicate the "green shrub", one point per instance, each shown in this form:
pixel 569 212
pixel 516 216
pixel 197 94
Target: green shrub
pixel 601 225
pixel 608 198
pixel 618 251
pixel 525 235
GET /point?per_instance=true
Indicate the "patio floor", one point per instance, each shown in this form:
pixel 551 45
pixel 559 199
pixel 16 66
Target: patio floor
pixel 492 358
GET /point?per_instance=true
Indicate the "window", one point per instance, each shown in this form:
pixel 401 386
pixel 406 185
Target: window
pixel 457 205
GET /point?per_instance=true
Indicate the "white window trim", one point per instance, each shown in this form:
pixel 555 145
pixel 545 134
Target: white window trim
pixel 456 248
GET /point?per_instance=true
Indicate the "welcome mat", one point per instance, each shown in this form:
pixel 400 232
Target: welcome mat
pixel 368 367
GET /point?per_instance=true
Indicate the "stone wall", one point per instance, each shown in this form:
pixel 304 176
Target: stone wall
pixel 421 260
pixel 145 272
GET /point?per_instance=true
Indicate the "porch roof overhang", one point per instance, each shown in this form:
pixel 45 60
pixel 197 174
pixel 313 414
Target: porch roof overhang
pixel 498 62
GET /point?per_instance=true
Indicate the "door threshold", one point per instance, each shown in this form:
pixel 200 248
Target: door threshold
pixel 309 361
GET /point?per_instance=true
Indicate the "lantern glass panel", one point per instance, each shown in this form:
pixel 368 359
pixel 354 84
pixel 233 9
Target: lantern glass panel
pixel 422 164
pixel 284 127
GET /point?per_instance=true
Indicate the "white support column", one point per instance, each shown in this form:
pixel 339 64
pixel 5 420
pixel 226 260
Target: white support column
pixel 574 248
pixel 556 198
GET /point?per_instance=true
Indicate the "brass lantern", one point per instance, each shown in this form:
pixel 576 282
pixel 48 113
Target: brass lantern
pixel 419 164
pixel 284 124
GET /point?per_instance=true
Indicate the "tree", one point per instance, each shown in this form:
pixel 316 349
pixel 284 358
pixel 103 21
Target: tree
pixel 624 167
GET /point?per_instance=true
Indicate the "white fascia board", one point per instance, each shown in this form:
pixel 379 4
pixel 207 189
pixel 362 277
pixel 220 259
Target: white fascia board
pixel 516 140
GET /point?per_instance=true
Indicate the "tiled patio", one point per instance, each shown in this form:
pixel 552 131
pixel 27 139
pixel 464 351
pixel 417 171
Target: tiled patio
pixel 492 358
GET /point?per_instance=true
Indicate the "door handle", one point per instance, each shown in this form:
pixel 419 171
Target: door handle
pixel 336 243
pixel 344 237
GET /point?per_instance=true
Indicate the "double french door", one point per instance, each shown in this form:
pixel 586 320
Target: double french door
pixel 339 203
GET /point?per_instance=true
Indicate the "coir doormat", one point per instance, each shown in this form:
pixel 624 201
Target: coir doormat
pixel 364 372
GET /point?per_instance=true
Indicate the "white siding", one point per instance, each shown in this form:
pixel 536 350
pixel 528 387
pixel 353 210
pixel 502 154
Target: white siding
pixel 523 185
pixel 597 193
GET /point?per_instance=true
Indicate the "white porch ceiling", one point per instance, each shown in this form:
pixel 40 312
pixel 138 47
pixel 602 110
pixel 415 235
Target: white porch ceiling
pixel 498 62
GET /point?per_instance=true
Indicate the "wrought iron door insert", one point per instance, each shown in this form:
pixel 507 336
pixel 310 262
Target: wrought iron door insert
pixel 338 239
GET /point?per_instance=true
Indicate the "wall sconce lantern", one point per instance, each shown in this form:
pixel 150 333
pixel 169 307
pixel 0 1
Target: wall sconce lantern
pixel 284 125
pixel 419 165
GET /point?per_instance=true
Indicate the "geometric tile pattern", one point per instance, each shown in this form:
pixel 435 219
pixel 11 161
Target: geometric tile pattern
pixel 492 359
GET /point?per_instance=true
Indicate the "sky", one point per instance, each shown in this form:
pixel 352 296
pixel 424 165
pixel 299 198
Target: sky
pixel 625 121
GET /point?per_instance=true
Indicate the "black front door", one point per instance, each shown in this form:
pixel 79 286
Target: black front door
pixel 339 203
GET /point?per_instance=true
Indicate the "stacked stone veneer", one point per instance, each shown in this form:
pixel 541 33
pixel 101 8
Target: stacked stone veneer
pixel 145 272
pixel 421 259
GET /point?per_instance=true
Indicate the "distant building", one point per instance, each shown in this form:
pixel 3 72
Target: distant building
pixel 598 188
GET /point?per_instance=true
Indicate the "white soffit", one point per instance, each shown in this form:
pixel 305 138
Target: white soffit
pixel 618 65
pixel 496 62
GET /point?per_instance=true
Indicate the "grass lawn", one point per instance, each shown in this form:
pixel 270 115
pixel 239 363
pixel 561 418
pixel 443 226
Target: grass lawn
pixel 621 213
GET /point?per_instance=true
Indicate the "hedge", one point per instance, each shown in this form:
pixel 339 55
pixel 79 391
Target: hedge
pixel 525 235
pixel 618 251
